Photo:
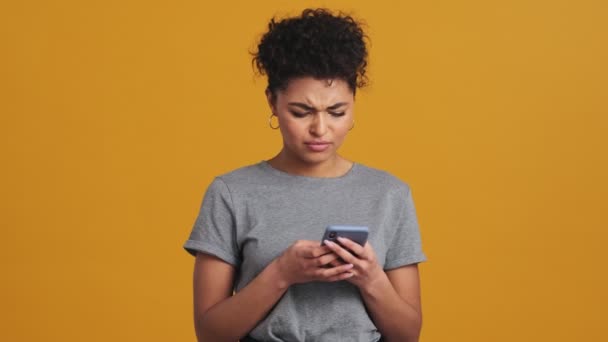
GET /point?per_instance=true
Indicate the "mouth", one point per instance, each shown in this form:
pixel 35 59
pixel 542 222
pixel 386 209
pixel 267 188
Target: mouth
pixel 318 146
pixel 318 143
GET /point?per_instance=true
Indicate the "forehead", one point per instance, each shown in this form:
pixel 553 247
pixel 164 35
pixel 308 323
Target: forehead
pixel 316 91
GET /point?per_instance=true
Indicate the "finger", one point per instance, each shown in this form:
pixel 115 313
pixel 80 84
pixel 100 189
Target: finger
pixel 327 258
pixel 342 276
pixel 314 251
pixel 343 253
pixel 317 251
pixel 303 252
pixel 335 271
pixel 337 262
pixel 311 252
pixel 353 246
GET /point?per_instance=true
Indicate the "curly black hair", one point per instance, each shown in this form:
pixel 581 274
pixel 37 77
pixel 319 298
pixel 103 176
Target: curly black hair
pixel 317 43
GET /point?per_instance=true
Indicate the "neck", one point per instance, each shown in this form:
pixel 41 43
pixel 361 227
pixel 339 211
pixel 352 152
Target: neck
pixel 335 166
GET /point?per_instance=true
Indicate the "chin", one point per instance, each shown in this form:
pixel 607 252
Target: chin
pixel 308 157
pixel 316 158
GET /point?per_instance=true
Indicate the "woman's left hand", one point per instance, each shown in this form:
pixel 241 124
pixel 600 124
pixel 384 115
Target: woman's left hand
pixel 365 265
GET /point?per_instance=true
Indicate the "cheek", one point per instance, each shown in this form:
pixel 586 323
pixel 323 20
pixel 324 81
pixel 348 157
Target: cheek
pixel 342 129
pixel 291 131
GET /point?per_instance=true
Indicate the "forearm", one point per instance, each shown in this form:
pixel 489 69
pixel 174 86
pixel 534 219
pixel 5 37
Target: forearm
pixel 396 319
pixel 235 316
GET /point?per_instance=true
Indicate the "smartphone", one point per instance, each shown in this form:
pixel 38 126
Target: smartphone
pixel 356 233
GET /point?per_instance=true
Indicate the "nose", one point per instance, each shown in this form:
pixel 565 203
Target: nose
pixel 318 126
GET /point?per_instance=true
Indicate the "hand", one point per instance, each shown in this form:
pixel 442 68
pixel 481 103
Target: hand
pixel 306 261
pixel 363 258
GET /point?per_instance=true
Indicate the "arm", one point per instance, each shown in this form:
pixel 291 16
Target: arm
pixel 393 300
pixel 218 315
pixel 221 316
pixel 392 297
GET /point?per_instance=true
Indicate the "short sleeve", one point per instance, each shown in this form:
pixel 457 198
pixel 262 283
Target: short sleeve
pixel 214 229
pixel 405 247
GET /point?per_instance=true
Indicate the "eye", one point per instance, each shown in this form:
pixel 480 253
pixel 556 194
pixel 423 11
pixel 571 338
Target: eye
pixel 297 114
pixel 337 113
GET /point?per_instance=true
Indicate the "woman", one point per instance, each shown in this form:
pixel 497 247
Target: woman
pixel 259 227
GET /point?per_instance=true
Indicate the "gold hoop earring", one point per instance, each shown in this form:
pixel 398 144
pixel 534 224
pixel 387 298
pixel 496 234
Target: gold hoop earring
pixel 270 121
pixel 353 126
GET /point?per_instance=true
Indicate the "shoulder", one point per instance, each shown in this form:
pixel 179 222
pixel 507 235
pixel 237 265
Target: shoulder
pixel 242 176
pixel 382 179
pixel 243 171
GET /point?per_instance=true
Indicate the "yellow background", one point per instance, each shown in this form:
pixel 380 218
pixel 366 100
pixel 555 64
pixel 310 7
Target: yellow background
pixel 116 115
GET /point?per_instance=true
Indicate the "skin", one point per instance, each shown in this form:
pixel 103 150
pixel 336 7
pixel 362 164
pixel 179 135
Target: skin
pixel 310 110
pixel 392 297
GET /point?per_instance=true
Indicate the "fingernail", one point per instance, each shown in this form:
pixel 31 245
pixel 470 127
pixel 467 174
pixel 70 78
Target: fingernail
pixel 349 266
pixel 327 242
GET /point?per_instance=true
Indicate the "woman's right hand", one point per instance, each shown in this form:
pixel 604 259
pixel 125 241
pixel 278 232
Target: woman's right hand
pixel 306 261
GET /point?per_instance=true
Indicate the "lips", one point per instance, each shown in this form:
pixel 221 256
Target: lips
pixel 318 146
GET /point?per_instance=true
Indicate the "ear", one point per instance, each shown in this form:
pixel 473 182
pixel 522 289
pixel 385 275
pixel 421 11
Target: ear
pixel 271 100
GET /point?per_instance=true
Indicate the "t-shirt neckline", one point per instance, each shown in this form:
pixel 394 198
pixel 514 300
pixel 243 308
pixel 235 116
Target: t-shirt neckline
pixel 266 166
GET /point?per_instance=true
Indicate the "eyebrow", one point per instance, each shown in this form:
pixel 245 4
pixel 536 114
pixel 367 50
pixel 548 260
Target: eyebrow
pixel 305 106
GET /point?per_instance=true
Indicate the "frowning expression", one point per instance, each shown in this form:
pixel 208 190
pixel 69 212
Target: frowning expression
pixel 314 117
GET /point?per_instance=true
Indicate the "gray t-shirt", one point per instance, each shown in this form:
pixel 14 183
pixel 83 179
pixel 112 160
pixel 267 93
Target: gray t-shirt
pixel 249 216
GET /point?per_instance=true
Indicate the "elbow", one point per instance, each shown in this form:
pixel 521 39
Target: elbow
pixel 414 335
pixel 199 328
pixel 204 329
pixel 402 338
pixel 409 332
